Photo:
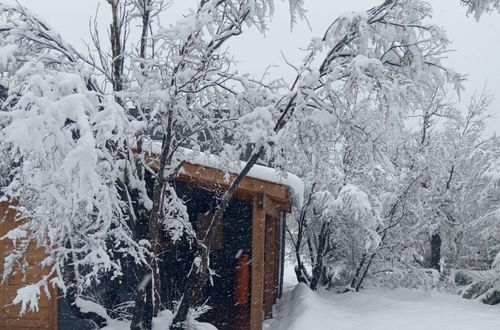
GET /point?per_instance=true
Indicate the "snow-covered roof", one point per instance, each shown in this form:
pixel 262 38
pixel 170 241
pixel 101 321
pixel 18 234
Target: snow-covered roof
pixel 291 181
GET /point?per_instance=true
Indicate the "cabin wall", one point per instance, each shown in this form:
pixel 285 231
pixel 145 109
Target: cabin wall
pixel 10 319
pixel 252 227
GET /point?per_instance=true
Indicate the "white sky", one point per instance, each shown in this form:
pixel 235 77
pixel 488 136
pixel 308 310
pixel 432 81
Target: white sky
pixel 476 44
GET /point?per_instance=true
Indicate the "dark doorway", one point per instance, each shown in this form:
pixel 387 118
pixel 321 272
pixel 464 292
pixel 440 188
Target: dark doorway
pixel 231 245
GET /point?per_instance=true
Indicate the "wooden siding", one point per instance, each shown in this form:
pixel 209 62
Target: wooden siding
pixel 10 318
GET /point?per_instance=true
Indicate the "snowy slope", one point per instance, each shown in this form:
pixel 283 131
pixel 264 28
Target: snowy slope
pixel 381 309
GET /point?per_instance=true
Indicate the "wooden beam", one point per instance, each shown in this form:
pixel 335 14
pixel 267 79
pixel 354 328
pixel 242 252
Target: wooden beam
pixel 271 207
pixel 277 259
pixel 269 267
pixel 218 181
pixel 271 255
pixel 258 242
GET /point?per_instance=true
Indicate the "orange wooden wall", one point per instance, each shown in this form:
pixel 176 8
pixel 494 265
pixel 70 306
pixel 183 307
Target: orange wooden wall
pixel 46 317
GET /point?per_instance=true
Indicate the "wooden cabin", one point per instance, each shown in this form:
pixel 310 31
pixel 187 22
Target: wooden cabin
pixel 248 254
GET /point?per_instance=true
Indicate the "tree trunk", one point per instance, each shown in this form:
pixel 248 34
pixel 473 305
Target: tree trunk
pixel 318 272
pixel 196 280
pixel 365 273
pixel 354 280
pixel 143 310
pixel 436 251
pixel 115 33
pixel 301 274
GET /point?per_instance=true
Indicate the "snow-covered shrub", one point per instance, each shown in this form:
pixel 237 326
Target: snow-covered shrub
pixel 462 278
pixel 414 278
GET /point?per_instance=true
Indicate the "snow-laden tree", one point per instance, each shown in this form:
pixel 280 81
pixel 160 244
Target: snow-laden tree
pixel 452 153
pixel 388 65
pixel 480 7
pixel 450 217
pixel 77 128
pixel 420 187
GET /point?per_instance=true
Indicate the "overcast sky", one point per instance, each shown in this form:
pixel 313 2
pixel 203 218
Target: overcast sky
pixel 476 44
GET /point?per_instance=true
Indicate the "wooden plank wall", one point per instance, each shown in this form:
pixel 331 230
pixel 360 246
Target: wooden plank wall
pixel 47 315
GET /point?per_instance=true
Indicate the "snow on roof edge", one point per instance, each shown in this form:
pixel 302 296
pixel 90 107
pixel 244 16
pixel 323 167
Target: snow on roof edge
pixel 291 181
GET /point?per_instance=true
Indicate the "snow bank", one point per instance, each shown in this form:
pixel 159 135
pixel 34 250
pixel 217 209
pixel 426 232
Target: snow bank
pixel 381 309
pixel 300 309
pixel 294 183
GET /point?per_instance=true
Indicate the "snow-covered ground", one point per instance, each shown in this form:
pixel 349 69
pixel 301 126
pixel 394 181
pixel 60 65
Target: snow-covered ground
pixel 384 309
pixel 372 309
pixel 378 309
pixel 162 322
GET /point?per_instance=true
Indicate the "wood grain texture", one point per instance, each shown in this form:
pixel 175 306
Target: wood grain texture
pixel 257 285
pixel 272 260
pixel 10 319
